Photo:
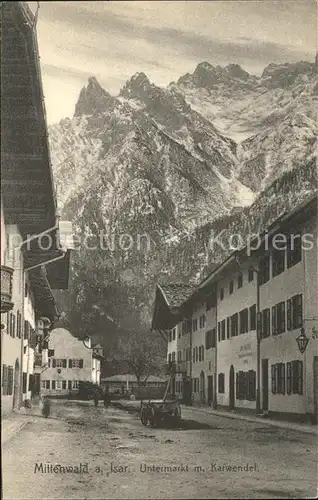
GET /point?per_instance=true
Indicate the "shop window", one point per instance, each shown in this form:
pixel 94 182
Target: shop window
pixel 221 383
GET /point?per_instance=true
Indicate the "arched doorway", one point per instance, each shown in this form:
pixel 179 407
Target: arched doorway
pixel 202 387
pixel 16 384
pixel 231 388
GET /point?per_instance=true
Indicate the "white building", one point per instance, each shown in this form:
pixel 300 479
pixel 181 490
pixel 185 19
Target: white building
pixel 265 304
pixel 70 361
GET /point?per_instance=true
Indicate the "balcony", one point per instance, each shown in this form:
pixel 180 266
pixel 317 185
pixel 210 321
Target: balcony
pixel 6 289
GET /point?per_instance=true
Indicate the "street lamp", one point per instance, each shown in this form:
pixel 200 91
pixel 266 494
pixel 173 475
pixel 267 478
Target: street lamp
pixel 302 340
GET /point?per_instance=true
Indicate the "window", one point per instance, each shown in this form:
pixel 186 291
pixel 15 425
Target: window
pixel 265 323
pixel 61 363
pixel 219 331
pixel 223 329
pixel 210 338
pixel 221 383
pixel 244 321
pixel 253 317
pixel 196 354
pixel 193 355
pixel 4 380
pixel 78 363
pixel 295 377
pixel 170 336
pixel 278 262
pixel 179 356
pixel 246 385
pixel 231 287
pixel 234 325
pixel 264 270
pixel 63 384
pixel 184 327
pixel 250 275
pixel 174 334
pixel 194 324
pixel 169 358
pixel 294 312
pixel 75 384
pixel 173 357
pixel 221 293
pixel 53 385
pixel 278 378
pixel 69 385
pixel 200 353
pixel 189 326
pixel 240 281
pixel 26 290
pixel 228 323
pixel 19 324
pixel 211 301
pixel 294 250
pixel 278 318
pixel 47 384
pixel 51 353
pixel 202 321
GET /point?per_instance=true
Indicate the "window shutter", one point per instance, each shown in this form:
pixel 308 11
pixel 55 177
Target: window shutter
pixel 300 377
pixel 289 314
pixel 283 378
pixel 300 310
pixel 219 330
pixel 273 370
pixel 289 386
pixel 274 320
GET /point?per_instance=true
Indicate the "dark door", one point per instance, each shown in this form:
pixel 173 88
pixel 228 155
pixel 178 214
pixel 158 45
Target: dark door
pixel 210 389
pixel 265 384
pixel 231 389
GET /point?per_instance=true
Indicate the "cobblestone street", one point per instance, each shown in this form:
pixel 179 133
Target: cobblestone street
pixel 116 449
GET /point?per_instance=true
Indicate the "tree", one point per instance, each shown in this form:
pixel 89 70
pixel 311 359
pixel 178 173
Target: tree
pixel 143 353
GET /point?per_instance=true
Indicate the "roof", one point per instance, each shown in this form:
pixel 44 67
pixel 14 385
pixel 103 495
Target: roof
pixel 26 171
pixel 177 293
pixel 129 377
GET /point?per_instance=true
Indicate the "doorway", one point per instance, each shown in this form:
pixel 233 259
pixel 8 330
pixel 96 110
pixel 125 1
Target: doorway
pixel 231 389
pixel 202 387
pixel 16 384
pixel 210 390
pixel 265 384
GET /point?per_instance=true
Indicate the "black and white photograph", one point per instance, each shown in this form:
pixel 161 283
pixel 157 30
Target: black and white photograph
pixel 159 256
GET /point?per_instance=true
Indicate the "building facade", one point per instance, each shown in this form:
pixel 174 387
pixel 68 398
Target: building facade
pixel 263 310
pixel 70 362
pixel 28 210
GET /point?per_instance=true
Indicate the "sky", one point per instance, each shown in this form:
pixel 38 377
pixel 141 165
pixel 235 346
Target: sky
pixel 112 40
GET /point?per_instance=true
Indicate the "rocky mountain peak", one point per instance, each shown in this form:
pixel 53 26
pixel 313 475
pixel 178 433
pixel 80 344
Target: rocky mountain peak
pixel 92 99
pixel 137 84
pixel 284 75
pixel 235 71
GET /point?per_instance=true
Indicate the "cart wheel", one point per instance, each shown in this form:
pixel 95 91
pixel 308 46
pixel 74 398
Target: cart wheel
pixel 144 416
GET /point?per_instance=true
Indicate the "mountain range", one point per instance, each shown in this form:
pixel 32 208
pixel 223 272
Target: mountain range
pixel 219 148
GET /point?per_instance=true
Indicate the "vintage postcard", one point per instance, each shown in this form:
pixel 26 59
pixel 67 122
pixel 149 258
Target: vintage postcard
pixel 159 299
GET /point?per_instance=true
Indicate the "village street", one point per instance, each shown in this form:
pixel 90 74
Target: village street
pixel 282 462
